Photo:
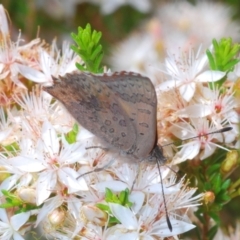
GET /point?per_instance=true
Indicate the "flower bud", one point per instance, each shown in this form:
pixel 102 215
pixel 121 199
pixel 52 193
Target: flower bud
pixel 230 163
pixel 56 217
pixel 95 215
pixel 27 195
pixel 208 197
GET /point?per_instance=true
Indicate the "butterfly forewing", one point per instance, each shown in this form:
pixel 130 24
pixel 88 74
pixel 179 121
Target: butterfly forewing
pixel 96 108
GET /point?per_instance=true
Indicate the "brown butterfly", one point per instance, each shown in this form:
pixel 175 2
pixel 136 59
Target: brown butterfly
pixel 119 108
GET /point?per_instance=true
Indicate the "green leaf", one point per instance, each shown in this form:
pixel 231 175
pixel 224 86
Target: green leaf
pixel 6 205
pixel 123 197
pixel 111 197
pixel 103 207
pixel 226 184
pixel 89 49
pixel 211 60
pixel 11 200
pixel 224 57
pixel 96 52
pixel 213 168
pixel 113 221
pixel 217 183
pixel 71 136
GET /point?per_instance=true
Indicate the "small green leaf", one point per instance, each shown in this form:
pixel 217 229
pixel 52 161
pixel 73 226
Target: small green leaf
pixel 97 51
pixel 226 184
pixel 89 49
pixel 113 221
pixel 213 168
pixel 224 57
pixel 103 207
pixel 123 197
pixel 71 136
pixel 217 183
pixel 211 60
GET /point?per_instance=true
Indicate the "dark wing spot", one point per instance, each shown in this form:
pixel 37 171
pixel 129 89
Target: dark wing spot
pixel 123 134
pixel 103 129
pixel 122 123
pixel 144 111
pixel 144 125
pixel 111 130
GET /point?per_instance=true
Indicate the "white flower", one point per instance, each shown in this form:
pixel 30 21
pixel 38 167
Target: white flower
pixel 218 105
pixel 10 53
pixel 145 224
pixel 52 162
pixel 146 219
pixel 12 227
pixel 38 107
pixel 51 64
pixel 222 106
pixel 71 201
pixel 9 58
pixel 201 142
pixel 186 71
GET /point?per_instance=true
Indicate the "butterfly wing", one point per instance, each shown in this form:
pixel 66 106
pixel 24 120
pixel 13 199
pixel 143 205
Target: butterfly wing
pixel 94 105
pixel 137 97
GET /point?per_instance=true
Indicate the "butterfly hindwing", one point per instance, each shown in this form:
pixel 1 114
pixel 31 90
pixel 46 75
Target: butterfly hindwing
pixel 137 97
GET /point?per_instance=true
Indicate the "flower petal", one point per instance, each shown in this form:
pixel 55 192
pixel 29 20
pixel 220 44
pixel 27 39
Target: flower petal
pixel 195 111
pixel 48 207
pixel 68 177
pixel 178 228
pixel 32 74
pixel 210 76
pixel 113 185
pixel 50 139
pixel 187 91
pixel 45 185
pixel 19 220
pixel 137 198
pixel 26 164
pixel 124 215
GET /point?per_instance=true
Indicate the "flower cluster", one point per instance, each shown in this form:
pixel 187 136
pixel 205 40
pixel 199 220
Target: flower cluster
pixel 189 107
pixel 44 155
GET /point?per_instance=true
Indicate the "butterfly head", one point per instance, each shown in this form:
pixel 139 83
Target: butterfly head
pixel 156 155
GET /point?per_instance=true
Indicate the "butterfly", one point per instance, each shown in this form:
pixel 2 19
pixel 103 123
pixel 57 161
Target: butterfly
pixel 119 108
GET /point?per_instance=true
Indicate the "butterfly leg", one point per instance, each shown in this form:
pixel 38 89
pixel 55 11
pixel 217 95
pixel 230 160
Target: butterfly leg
pixel 103 148
pixel 138 171
pixel 99 169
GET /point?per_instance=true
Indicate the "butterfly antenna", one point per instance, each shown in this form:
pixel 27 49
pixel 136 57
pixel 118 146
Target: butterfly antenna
pixel 164 199
pixel 226 129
